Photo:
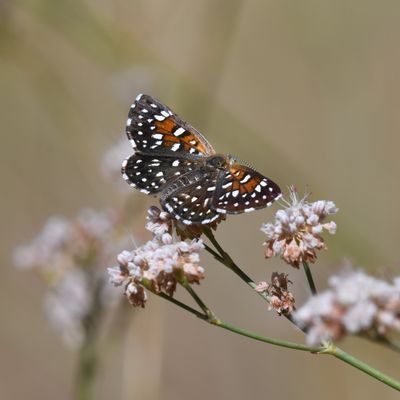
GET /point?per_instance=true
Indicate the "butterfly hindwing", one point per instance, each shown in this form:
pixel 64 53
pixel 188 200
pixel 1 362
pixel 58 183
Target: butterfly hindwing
pixel 151 174
pixel 153 128
pixel 192 203
pixel 242 189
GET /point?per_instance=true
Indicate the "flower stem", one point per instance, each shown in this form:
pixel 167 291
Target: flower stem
pixel 354 362
pixel 86 370
pixel 329 349
pixel 178 303
pixel 199 301
pixel 225 259
pixel 265 339
pixel 88 355
pixel 243 332
pixel 310 279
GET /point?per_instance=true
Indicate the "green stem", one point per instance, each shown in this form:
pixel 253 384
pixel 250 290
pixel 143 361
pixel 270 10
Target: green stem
pixel 199 301
pixel 265 339
pixel 182 305
pixel 225 259
pixel 310 279
pixel 86 370
pixel 243 332
pixel 88 355
pixel 330 349
pixel 354 362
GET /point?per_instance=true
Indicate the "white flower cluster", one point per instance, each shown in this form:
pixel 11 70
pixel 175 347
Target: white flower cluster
pixel 159 263
pixel 296 233
pixel 68 255
pixel 356 303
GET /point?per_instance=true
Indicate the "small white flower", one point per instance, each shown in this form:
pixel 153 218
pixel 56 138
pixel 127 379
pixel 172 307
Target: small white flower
pixel 296 233
pixel 356 303
pixel 158 262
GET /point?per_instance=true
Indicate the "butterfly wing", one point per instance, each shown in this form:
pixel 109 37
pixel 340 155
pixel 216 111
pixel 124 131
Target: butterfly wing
pixel 153 128
pixel 242 189
pixel 151 174
pixel 191 198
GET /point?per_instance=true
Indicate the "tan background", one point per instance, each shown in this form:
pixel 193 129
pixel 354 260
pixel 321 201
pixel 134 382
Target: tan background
pixel 306 91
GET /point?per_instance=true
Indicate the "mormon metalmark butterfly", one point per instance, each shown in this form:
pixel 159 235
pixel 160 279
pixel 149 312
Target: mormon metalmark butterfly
pixel 194 183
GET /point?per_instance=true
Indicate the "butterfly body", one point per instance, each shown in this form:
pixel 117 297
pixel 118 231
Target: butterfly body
pixel 174 161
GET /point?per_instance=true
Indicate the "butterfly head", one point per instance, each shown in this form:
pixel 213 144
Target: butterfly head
pixel 217 161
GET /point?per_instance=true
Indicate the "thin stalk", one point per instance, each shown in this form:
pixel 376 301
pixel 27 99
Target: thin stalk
pixel 265 339
pixel 360 365
pixel 225 259
pixel 199 301
pixel 88 354
pixel 329 349
pixel 178 303
pixel 213 320
pixel 310 279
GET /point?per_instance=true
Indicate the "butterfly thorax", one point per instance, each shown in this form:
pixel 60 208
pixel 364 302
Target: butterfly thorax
pixel 216 161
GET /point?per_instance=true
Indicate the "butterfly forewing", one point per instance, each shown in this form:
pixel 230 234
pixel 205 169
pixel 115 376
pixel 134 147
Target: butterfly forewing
pixel 192 203
pixel 153 128
pixel 151 174
pixel 242 189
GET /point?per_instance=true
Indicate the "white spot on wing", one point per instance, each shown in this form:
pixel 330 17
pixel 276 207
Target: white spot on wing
pixel 179 132
pixel 246 178
pixel 175 147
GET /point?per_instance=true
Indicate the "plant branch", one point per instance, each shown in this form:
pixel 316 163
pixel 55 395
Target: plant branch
pixel 310 279
pixel 88 355
pixel 360 365
pixel 213 320
pixel 225 259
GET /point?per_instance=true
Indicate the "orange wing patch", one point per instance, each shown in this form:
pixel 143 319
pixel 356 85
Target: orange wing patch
pixel 166 126
pixel 238 174
pixel 188 139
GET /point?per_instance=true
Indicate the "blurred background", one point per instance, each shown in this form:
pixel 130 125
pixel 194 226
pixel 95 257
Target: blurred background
pixel 307 92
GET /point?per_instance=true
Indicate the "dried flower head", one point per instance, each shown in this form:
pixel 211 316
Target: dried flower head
pixel 281 300
pixel 296 233
pixel 159 264
pixel 356 303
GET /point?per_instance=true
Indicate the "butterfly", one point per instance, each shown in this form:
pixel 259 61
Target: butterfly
pixel 175 162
